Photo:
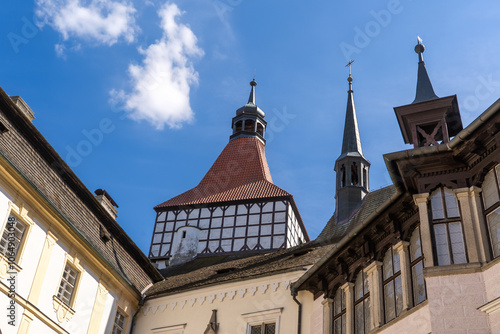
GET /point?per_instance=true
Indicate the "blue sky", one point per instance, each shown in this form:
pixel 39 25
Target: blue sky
pixel 154 85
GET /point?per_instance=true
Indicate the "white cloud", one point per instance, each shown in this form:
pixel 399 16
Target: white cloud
pixel 161 84
pixel 98 21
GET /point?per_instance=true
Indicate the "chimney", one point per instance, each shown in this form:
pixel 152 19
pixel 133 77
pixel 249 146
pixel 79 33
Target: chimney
pixel 19 102
pixel 107 202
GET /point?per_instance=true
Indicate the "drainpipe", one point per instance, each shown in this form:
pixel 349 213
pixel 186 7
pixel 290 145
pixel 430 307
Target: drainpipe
pixel 299 320
pixel 132 323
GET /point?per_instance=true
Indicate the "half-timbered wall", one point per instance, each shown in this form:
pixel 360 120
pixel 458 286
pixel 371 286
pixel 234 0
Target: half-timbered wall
pixel 225 229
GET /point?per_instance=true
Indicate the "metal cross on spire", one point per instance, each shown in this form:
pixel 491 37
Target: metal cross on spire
pixel 349 65
pixel 350 78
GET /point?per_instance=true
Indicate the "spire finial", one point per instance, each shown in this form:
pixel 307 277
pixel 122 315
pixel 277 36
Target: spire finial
pixel 425 92
pixel 350 77
pixel 251 98
pixel 419 48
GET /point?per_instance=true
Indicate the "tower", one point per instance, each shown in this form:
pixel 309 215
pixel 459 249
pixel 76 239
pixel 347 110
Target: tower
pixel 351 167
pixel 429 119
pixel 235 208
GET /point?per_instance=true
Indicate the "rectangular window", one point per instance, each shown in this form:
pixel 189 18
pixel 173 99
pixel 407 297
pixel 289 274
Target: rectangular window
pixel 12 237
pixel 417 268
pixel 119 324
pixel 67 285
pixel 494 226
pixel 263 329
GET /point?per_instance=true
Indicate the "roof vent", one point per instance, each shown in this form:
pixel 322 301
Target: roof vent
pixel 27 112
pixel 107 202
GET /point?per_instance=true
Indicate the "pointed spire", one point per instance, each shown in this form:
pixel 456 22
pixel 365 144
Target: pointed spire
pixel 251 98
pixel 351 142
pixel 425 92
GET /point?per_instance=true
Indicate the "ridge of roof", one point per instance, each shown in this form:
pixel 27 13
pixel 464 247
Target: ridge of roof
pixel 240 172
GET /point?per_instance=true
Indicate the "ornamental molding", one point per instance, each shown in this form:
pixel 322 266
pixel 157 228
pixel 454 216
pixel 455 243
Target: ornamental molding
pixel 226 295
pixel 63 311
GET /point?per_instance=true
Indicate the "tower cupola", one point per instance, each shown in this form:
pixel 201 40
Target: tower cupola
pixel 429 119
pixel 249 120
pixel 352 167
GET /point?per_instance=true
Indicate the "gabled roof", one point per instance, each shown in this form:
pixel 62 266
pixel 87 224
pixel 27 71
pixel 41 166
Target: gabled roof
pixel 206 271
pixel 239 173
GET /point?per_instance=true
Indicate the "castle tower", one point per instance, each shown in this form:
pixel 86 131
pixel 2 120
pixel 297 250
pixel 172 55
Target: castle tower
pixel 351 167
pixel 235 208
pixel 428 120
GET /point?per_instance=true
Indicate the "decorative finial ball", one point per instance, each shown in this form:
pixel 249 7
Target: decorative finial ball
pixel 253 83
pixel 419 48
pixel 349 79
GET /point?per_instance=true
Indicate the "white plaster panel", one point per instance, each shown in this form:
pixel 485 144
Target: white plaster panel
pixel 213 245
pixel 217 212
pixel 169 227
pixel 241 220
pixel 226 245
pixel 265 230
pixel 52 279
pixel 109 319
pixel 4 206
pixel 268 207
pixel 253 219
pixel 205 213
pixel 216 222
pixel 278 241
pixel 194 214
pixel 230 210
pixel 155 250
pixel 159 227
pixel 31 257
pixel 279 229
pixel 267 218
pixel 84 304
pixel 255 209
pixel 181 215
pixel 253 231
pixel 280 206
pixel 161 217
pixel 107 315
pixel 215 234
pixel 279 217
pixel 242 209
pixel 252 242
pixel 229 221
pixel 238 244
pixel 204 223
pixel 227 233
pixel 240 232
pixel 265 242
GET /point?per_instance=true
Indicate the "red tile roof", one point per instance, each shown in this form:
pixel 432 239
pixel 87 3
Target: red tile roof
pixel 239 173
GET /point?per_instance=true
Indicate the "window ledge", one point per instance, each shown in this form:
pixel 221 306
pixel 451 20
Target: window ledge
pixel 7 267
pixel 63 311
pixel 491 306
pixel 452 269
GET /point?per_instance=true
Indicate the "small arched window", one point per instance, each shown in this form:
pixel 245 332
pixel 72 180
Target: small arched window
pixel 260 129
pixel 250 125
pixel 238 126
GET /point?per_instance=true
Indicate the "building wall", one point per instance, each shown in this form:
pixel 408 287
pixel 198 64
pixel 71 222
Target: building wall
pixel 97 295
pixel 236 303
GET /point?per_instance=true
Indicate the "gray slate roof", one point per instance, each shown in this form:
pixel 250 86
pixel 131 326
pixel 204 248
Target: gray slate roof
pixel 334 233
pixel 207 271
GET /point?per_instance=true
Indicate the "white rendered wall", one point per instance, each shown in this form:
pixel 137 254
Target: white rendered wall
pixel 232 301
pixel 84 304
pixel 108 315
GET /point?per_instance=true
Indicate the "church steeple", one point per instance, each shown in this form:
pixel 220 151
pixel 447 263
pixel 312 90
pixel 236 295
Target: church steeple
pixel 351 167
pixel 249 120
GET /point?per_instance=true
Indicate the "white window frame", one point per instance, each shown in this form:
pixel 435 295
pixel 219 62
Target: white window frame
pixel 263 317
